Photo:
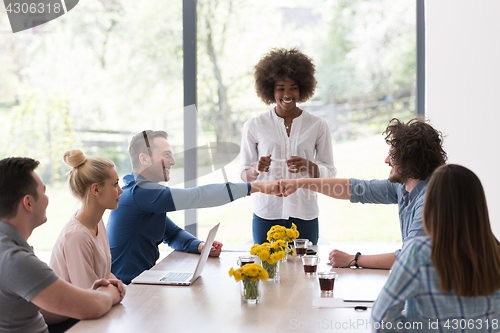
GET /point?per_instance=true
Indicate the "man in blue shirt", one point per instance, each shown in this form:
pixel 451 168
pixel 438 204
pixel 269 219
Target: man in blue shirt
pixel 415 151
pixel 140 223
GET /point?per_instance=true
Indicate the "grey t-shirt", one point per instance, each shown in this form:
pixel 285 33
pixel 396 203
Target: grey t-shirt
pixel 22 276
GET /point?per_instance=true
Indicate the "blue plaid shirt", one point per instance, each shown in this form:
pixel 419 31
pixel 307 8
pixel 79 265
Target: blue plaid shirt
pixel 410 205
pixel 414 280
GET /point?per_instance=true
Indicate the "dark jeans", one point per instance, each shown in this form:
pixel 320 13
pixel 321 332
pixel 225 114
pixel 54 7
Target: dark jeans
pixel 307 228
pixel 62 327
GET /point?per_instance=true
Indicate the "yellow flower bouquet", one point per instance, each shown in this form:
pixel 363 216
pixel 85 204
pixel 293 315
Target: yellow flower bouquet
pixel 250 276
pixel 270 254
pixel 287 235
pixel 278 232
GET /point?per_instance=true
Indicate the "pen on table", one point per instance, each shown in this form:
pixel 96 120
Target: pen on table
pixel 360 308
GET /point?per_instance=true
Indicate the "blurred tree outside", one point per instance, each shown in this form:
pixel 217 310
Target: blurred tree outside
pixel 232 36
pixel 41 128
pixel 118 64
pixel 368 65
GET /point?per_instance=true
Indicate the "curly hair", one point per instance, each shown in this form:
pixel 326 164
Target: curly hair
pixel 281 64
pixel 417 148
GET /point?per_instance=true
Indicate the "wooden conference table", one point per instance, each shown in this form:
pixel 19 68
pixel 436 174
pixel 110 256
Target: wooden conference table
pixel 213 303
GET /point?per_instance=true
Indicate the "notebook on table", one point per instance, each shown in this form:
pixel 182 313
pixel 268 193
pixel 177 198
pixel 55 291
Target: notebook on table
pixel 179 278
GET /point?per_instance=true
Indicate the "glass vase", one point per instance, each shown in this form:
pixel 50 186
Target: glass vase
pixel 273 270
pixel 287 256
pixel 250 291
pixel 288 252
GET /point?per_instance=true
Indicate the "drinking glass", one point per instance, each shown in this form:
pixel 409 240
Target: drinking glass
pixel 327 281
pixel 301 246
pixel 310 263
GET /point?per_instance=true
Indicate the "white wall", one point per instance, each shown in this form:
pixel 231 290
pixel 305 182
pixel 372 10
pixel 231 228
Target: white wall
pixel 463 87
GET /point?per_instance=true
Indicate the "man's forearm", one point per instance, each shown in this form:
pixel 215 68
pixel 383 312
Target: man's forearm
pixel 52 318
pixel 382 261
pixel 269 187
pixel 63 299
pixel 204 196
pixel 337 188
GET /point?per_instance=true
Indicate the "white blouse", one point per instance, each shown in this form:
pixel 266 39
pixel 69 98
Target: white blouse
pixel 309 138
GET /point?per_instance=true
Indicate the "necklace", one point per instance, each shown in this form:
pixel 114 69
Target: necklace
pixel 287 127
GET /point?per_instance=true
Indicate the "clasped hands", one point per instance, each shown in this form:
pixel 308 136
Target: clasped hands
pixel 294 164
pixel 111 283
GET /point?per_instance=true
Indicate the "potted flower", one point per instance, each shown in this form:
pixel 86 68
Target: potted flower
pixel 270 254
pixel 250 276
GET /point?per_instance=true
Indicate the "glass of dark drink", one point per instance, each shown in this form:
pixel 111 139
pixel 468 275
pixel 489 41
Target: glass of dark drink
pixel 310 263
pixel 326 282
pixel 247 259
pixel 301 246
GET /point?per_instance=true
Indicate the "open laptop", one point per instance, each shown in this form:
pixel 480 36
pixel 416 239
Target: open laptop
pixel 179 278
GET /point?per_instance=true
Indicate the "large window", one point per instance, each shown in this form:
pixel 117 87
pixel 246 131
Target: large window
pixel 109 69
pixel 365 56
pixel 89 79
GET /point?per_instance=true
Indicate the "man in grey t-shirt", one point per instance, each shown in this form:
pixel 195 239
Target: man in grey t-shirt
pixel 18 286
pixel 28 287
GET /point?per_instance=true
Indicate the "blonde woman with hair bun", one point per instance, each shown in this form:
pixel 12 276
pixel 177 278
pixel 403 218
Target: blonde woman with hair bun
pixel 81 253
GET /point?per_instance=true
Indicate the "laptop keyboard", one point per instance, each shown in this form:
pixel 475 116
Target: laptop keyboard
pixel 176 277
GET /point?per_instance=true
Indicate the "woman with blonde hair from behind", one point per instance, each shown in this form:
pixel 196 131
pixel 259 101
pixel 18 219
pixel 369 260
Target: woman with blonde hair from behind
pixel 450 281
pixel 81 253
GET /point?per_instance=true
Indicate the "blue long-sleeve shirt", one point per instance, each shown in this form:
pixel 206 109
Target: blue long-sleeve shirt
pixel 140 223
pixel 385 192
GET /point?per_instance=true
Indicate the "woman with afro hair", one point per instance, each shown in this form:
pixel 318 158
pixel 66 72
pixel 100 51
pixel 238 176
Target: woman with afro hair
pixel 285 142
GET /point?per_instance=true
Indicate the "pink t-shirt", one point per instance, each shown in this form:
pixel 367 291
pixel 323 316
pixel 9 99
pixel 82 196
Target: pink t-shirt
pixel 80 257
